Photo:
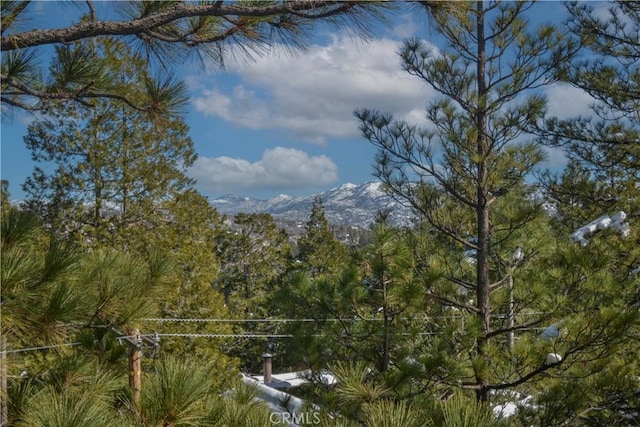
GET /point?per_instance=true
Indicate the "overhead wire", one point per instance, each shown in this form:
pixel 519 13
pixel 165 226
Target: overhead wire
pixel 42 347
pixel 286 320
pixel 237 335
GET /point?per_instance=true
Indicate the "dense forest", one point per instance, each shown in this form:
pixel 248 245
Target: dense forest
pixel 513 300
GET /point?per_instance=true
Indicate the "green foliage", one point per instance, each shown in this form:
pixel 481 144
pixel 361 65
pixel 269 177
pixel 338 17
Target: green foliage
pixel 238 408
pixel 386 413
pixel 120 185
pixel 356 386
pixel 121 287
pixel 71 390
pixel 374 312
pixel 38 293
pixel 609 35
pixel 319 252
pixel 176 393
pixel 601 179
pixel 114 165
pixel 254 255
pixel 603 150
pixel 461 411
pixel 51 294
pixel 180 392
pixel 465 175
pixel 422 314
pixel 74 408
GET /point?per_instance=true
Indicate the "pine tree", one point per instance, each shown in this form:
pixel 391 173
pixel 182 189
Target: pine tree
pixel 54 294
pixel 113 163
pixel 318 250
pixel 254 255
pixel 120 184
pixel 602 179
pixel 372 313
pixel 604 149
pixel 465 175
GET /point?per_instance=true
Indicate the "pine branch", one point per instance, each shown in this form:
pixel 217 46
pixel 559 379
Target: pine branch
pixel 452 302
pixel 514 328
pixel 525 378
pixel 83 30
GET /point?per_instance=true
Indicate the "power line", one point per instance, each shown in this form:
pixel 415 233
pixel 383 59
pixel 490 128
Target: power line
pixel 70 344
pixel 44 347
pixel 161 319
pixel 187 335
pixel 152 338
pixel 287 320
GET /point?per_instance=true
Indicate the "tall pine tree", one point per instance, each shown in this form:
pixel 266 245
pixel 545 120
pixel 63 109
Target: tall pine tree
pixel 465 175
pixel 318 250
pixel 602 179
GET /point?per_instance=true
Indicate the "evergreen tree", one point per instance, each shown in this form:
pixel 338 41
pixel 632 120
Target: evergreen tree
pixel 120 184
pixel 601 179
pixel 470 166
pixel 254 255
pixel 4 194
pixel 318 250
pixel 604 149
pixel 56 297
pixel 372 313
pixel 114 164
pixel 37 296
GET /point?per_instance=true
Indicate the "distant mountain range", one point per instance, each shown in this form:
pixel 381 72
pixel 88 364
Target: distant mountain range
pixel 349 204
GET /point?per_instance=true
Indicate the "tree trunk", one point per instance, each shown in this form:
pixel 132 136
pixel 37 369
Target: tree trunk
pixel 387 328
pixel 482 210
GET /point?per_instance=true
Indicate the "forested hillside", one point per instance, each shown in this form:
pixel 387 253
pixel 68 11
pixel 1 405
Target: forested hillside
pixel 128 299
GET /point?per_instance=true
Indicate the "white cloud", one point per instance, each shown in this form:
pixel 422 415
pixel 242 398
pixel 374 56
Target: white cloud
pixel 406 27
pixel 556 159
pixel 565 101
pixel 279 168
pixel 313 94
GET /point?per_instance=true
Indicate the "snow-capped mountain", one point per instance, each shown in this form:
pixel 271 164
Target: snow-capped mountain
pixel 349 204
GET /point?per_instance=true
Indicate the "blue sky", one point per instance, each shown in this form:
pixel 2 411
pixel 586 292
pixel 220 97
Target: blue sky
pixel 283 123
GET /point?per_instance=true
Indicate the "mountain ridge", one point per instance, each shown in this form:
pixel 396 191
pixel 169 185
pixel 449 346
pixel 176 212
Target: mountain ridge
pixel 348 204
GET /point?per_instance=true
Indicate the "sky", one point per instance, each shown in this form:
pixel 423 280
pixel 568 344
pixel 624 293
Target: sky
pixel 283 123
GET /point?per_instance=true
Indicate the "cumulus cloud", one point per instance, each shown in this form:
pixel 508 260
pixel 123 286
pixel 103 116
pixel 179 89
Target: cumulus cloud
pixel 565 101
pixel 313 94
pixel 279 168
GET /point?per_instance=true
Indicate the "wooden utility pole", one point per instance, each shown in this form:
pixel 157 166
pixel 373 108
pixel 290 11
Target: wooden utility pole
pixel 135 366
